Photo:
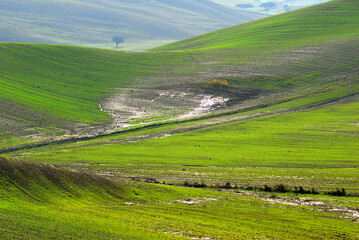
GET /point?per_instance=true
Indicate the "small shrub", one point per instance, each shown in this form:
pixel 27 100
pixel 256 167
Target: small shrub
pixel 195 184
pixel 145 179
pixel 151 180
pixel 228 185
pixel 199 185
pixel 338 192
pixel 301 190
pixel 281 188
pixel 314 191
pixel 344 192
pixel 267 188
pixel 186 184
pixel 218 185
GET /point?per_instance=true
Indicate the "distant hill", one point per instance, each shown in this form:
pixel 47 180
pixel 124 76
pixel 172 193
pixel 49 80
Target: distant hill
pixel 93 23
pixel 306 26
pixel 271 7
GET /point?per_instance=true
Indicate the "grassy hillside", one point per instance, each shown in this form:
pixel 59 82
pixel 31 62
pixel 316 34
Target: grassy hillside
pixel 308 26
pixel 49 90
pixel 298 148
pixel 69 82
pixel 59 203
pixel 50 183
pixel 290 123
pixel 143 24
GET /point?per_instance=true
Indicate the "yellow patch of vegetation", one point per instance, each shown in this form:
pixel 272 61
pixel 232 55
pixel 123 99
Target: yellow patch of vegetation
pixel 216 83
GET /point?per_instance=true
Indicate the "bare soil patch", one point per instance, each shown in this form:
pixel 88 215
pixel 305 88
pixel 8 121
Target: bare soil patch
pixel 132 106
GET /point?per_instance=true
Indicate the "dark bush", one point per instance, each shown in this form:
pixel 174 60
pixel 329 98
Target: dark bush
pixel 151 180
pixel 337 192
pixel 281 188
pixel 145 179
pixel 228 185
pixel 199 185
pixel 314 191
pixel 195 184
pixel 267 188
pixel 301 190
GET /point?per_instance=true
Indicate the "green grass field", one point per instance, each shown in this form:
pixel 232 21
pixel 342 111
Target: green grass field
pixel 58 203
pixel 69 82
pixel 301 148
pixel 50 90
pixel 292 121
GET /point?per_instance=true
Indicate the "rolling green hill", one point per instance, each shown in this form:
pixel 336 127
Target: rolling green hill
pixel 308 26
pixel 49 90
pixel 143 24
pixel 276 160
pixel 68 82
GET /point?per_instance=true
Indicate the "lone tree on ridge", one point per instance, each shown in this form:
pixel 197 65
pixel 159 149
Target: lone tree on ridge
pixel 117 40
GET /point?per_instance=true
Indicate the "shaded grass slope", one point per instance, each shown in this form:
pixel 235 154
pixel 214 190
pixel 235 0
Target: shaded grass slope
pixel 43 183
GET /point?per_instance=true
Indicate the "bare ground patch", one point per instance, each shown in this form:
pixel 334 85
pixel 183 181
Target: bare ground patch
pixel 131 106
pixel 316 204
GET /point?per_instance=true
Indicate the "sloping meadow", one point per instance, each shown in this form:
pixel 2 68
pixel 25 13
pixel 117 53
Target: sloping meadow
pixel 279 160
